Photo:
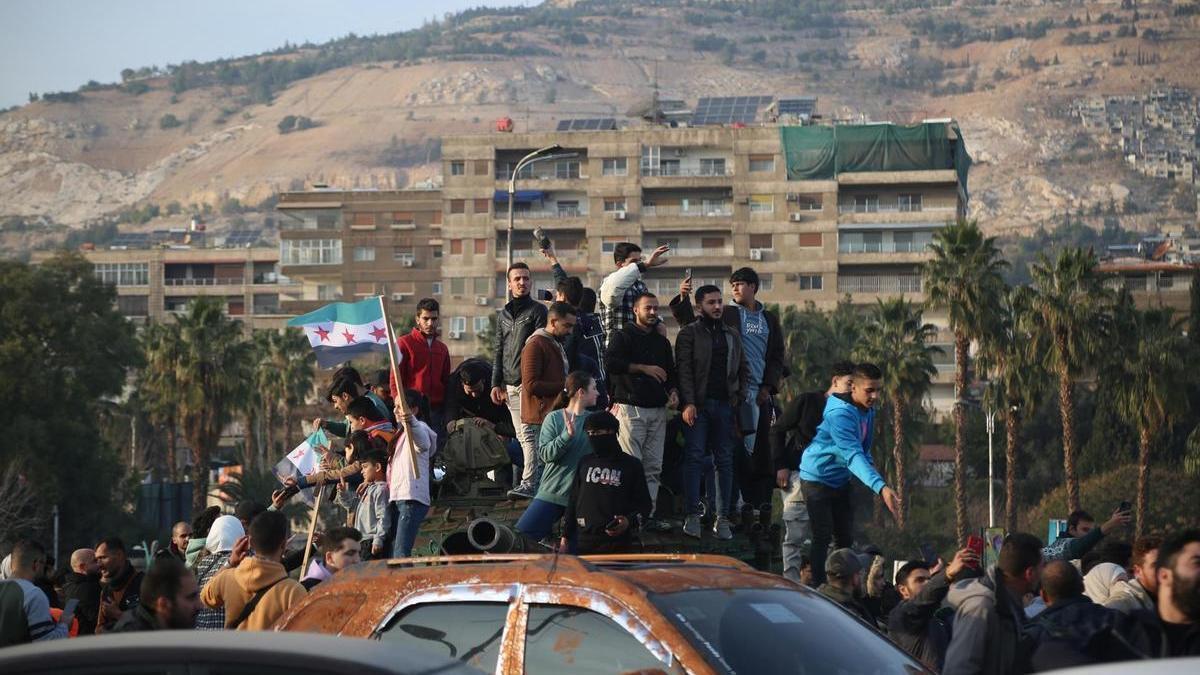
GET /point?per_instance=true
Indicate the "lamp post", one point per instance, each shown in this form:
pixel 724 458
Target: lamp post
pixel 512 189
pixel 990 417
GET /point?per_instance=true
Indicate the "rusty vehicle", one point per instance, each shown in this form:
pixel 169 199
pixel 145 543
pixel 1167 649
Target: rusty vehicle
pixel 546 613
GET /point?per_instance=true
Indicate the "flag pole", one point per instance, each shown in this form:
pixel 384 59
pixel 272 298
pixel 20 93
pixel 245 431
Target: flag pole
pixel 400 398
pixel 312 528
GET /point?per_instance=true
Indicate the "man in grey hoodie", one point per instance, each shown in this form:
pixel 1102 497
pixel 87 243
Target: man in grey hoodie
pixel 988 616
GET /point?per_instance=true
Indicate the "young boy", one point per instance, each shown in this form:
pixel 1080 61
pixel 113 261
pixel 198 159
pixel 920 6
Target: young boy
pixel 370 502
pixel 408 494
pixel 362 415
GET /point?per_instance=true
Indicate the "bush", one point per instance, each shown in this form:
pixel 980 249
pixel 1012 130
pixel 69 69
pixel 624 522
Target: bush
pixel 169 121
pixel 292 123
pixel 137 88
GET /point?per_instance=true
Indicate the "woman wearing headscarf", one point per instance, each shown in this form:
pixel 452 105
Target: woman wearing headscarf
pixel 1102 579
pixel 224 533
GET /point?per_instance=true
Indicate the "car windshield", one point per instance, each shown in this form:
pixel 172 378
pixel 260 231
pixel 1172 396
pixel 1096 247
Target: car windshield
pixel 772 630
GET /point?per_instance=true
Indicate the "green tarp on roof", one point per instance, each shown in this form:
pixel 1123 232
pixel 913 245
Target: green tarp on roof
pixel 823 152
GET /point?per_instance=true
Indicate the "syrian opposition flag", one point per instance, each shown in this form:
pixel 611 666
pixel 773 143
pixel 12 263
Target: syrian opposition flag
pixel 303 460
pixel 342 331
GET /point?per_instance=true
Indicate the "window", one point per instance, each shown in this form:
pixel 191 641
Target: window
pixel 762 204
pixel 809 239
pixel 458 168
pixel 608 245
pixel 480 324
pixel 762 164
pixel 712 166
pixel 712 242
pixel 909 202
pixel 310 252
pixel 866 203
pixel 614 204
pixel 872 242
pixel 566 169
pixel 435 218
pixel 568 209
pixel 481 285
pixel 328 292
pixel 436 288
pixel 765 282
pixel 362 221
pixel 481 205
pixel 762 241
pixel 458 324
pixel 403 218
pixel 903 242
pixel 458 286
pixel 615 166
pixel 364 253
pixel 123 274
pixel 480 246
pixel 402 253
pixel 668 167
pixel 437 251
pixel 469 631
pixel 481 167
pixel 648 207
pixel 808 202
pixel 133 305
pixel 560 639
pixel 810 282
pixel 458 206
pixel 1166 280
pixel 456 247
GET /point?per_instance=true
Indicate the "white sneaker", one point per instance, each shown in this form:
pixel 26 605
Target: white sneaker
pixel 691 526
pixel 721 529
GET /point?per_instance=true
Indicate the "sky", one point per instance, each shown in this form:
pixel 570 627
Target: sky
pixel 58 45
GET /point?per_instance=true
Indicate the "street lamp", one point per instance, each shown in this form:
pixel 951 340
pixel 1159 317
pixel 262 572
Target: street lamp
pixel 532 157
pixel 990 416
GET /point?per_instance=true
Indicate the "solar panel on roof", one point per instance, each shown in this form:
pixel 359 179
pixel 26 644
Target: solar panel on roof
pixel 131 239
pixel 590 124
pixel 728 109
pixel 242 237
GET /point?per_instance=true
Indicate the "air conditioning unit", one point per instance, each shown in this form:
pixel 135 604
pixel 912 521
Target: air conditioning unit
pixel 796 217
pixel 407 262
pixel 756 254
pixel 456 335
pixel 619 215
pixel 482 300
pixel 398 297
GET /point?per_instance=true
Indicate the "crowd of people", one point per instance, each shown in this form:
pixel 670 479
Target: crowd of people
pixel 582 398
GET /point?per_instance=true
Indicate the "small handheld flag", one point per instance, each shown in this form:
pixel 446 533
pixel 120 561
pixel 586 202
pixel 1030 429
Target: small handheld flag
pixel 342 331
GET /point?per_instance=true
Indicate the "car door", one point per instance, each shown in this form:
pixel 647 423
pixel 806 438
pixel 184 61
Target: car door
pixel 467 622
pixel 584 631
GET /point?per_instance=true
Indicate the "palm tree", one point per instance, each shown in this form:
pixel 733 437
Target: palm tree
pixel 1068 306
pixel 963 278
pixel 896 338
pixel 284 378
pixel 1150 381
pixel 1014 386
pixel 159 390
pixel 211 368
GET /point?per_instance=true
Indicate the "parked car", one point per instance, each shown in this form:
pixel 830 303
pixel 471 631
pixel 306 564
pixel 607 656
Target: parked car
pixel 597 614
pixel 190 652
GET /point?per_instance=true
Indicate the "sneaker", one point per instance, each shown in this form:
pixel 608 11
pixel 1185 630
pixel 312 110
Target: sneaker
pixel 658 525
pixel 525 490
pixel 691 526
pixel 722 530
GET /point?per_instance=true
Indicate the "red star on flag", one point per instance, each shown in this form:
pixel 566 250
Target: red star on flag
pixel 379 333
pixel 322 333
pixel 348 335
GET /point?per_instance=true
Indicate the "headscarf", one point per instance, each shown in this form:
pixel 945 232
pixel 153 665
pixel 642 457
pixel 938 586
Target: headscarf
pixel 6 567
pixel 223 534
pixel 1100 581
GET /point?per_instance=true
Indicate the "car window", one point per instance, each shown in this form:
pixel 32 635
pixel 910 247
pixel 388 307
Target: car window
pixel 560 639
pixel 757 630
pixel 467 631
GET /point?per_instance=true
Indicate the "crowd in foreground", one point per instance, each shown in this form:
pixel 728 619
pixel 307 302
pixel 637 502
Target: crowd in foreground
pixel 585 405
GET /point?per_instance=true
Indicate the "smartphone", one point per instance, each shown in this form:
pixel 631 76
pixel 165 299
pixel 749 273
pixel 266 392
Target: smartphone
pixel 539 235
pixel 929 555
pixel 545 295
pixel 976 544
pixel 1124 506
pixel 687 273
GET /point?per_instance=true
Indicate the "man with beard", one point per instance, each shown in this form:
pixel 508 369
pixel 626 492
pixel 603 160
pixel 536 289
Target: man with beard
pixel 1174 630
pixel 170 600
pixel 120 583
pixel 82 583
pixel 608 495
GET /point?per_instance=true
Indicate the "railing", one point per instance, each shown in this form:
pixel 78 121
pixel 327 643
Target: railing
pixel 550 175
pixel 697 252
pixel 717 211
pixel 204 281
pixel 879 284
pixel 679 172
pixel 883 247
pixel 530 253
pixel 895 208
pixel 502 214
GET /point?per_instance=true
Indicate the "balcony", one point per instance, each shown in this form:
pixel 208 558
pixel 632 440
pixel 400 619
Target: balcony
pixel 724 210
pixel 722 251
pixel 542 214
pixel 675 171
pixel 903 283
pixel 847 207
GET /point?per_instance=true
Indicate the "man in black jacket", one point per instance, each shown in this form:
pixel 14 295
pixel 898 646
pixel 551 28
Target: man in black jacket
pixel 913 624
pixel 467 397
pixel 519 318
pixel 642 373
pixel 789 436
pixel 82 583
pixel 169 600
pixel 1072 630
pixel 608 494
pixel 1174 629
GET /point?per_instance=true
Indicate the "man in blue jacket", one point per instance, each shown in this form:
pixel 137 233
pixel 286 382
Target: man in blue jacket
pixel 841 449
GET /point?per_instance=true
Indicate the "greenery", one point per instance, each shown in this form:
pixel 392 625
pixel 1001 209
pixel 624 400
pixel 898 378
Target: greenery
pixel 292 123
pixel 169 121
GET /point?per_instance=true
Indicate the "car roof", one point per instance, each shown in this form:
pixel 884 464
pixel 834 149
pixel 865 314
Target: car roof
pixel 315 652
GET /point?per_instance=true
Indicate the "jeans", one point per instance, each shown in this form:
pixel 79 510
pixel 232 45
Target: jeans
pixel 539 519
pixel 711 435
pixel 832 516
pixel 752 397
pixel 641 433
pixel 406 515
pixel 527 434
pixel 796 526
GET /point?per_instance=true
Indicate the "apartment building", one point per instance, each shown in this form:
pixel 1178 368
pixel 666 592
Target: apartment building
pixel 720 196
pixel 156 277
pixel 345 245
pixel 1158 271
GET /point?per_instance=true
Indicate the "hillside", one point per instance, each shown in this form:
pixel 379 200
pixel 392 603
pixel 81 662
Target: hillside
pixel 379 103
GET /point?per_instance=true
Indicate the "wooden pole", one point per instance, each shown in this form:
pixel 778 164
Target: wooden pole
pixel 400 399
pixel 312 528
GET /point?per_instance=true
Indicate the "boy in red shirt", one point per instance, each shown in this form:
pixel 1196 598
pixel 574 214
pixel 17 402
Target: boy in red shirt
pixel 425 363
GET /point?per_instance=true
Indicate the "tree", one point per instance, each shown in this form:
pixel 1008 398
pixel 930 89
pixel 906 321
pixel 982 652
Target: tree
pixel 1150 381
pixel 1068 309
pixel 284 378
pixel 896 338
pixel 212 363
pixel 159 389
pixel 169 121
pixel 964 278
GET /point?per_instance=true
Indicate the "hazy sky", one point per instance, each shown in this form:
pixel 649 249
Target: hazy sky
pixel 57 45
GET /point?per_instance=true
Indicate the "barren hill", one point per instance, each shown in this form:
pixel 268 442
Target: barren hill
pixel 206 133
